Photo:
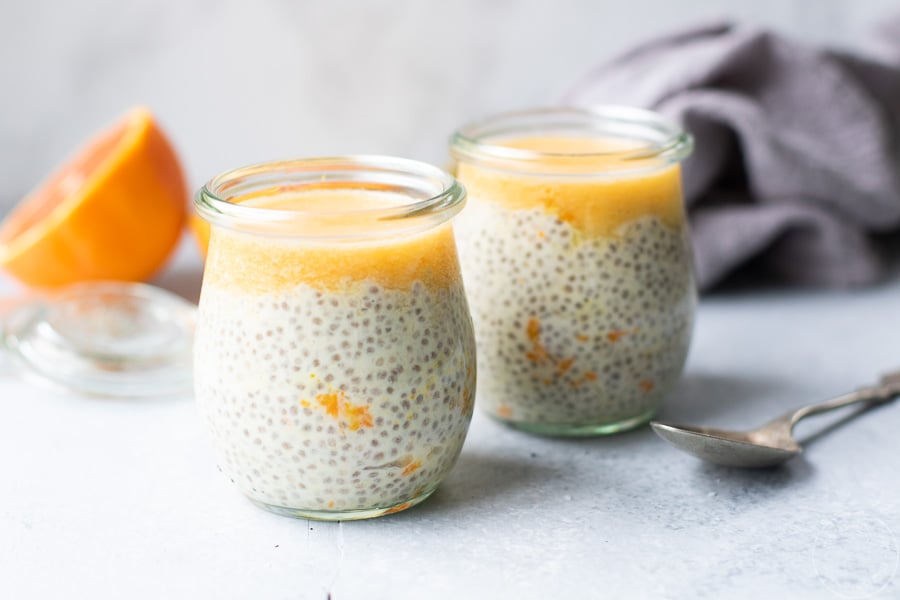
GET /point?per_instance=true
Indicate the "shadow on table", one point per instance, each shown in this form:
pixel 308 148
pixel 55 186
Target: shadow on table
pixel 751 486
pixel 814 428
pixel 702 398
pixel 481 480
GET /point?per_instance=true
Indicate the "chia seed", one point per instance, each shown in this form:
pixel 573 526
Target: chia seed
pixel 338 425
pixel 561 338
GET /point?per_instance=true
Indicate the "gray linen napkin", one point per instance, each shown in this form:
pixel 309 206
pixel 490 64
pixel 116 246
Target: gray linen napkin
pixel 796 170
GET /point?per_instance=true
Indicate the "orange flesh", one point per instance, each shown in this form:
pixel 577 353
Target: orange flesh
pixel 412 467
pixel 61 186
pixel 257 264
pixel 114 211
pixel 593 205
pixel 200 229
pixel 336 405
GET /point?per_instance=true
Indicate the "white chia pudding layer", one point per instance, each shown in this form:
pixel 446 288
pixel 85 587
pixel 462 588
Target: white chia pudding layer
pixel 575 330
pixel 336 400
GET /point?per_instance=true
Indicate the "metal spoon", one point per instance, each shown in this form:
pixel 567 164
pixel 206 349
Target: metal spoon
pixel 771 444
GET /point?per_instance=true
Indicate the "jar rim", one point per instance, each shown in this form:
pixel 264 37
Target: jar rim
pixel 435 195
pixel 662 141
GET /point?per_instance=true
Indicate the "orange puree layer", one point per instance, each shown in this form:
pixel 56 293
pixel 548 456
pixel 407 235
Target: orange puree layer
pixel 561 183
pixel 260 264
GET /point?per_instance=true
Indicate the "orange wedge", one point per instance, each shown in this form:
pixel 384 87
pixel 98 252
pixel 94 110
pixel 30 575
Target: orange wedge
pixel 114 211
pixel 200 229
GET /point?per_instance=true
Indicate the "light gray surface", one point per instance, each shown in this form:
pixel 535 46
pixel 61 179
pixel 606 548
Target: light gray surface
pixel 237 82
pixel 113 499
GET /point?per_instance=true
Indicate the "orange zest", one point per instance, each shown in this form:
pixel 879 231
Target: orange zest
pixel 352 415
pixel 504 411
pixel 412 467
pixel 466 400
pixel 646 385
pixel 617 334
pixel 538 352
pixel 564 365
pixel 397 508
pixel 116 210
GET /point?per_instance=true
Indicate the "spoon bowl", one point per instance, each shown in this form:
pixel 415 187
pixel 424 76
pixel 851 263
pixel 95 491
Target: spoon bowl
pixel 723 447
pixel 771 444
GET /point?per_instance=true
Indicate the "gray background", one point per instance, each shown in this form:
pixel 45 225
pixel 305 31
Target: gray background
pixel 240 82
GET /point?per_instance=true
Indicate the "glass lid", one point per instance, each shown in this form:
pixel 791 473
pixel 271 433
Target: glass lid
pixel 105 338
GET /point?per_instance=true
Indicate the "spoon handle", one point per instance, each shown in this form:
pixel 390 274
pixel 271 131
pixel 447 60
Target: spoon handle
pixel 885 390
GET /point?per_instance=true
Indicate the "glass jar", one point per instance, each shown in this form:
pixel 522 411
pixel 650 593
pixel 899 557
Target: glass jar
pixel 334 357
pixel 578 265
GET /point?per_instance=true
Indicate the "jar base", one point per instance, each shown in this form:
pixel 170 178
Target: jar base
pixel 579 429
pixel 343 515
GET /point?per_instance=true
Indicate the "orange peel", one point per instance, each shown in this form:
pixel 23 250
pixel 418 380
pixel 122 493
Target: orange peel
pixel 114 211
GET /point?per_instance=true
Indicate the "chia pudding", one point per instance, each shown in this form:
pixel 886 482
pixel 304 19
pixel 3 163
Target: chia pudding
pixel 337 377
pixel 579 275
